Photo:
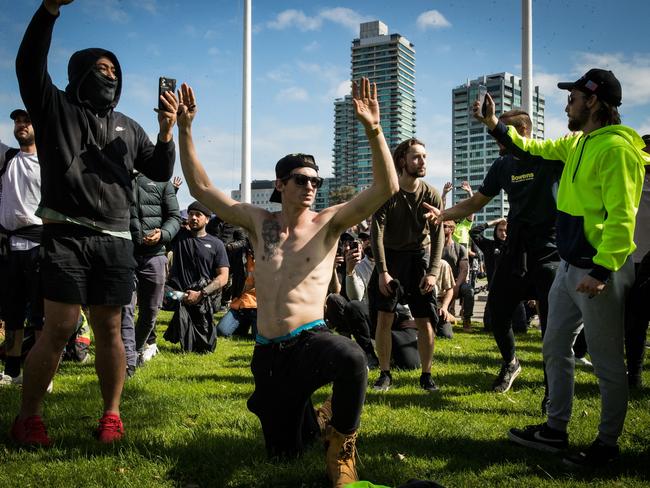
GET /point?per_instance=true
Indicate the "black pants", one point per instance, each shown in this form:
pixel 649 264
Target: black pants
pixel 519 322
pixel 288 373
pixel 20 289
pixel 637 315
pixel 507 290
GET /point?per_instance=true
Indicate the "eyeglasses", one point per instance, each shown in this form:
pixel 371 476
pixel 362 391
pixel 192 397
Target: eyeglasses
pixel 301 180
pixel 449 226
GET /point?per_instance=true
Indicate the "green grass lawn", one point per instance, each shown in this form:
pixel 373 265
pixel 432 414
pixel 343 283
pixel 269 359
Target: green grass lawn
pixel 188 426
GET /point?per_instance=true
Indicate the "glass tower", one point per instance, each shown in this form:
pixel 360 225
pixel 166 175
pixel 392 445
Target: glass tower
pixel 473 149
pixel 389 61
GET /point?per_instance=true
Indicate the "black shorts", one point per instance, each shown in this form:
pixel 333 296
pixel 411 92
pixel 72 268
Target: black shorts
pixel 83 266
pixel 407 267
pixel 22 294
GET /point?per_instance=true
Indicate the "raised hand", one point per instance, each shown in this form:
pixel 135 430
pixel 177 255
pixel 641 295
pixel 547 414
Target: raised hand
pixel 177 182
pixel 52 6
pixel 467 187
pixel 187 108
pixel 446 189
pixel 366 105
pixel 490 118
pixel 167 116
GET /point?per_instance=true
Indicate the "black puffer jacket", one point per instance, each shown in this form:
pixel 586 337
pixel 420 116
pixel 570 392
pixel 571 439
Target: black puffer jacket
pixel 86 157
pixel 155 207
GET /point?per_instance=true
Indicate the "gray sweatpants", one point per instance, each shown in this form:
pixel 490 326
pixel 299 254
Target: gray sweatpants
pixel 602 316
pixel 150 275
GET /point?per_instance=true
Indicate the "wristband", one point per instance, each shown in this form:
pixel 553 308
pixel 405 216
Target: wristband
pixel 373 132
pixel 204 293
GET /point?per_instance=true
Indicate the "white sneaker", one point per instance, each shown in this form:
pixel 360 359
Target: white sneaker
pixel 584 362
pixel 6 380
pixel 150 351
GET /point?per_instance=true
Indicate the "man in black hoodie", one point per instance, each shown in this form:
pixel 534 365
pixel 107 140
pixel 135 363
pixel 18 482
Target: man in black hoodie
pixel 87 153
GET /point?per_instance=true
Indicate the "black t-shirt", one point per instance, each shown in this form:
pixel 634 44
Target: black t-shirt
pixel 195 258
pixel 531 186
pixel 454 254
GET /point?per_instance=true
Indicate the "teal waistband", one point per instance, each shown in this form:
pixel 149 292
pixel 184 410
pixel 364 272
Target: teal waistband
pixel 260 339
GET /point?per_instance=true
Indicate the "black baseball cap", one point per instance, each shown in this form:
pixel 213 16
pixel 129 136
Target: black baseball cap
pixel 599 82
pixel 18 112
pixel 286 165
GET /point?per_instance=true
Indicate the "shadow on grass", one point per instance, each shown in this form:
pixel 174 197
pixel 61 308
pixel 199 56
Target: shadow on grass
pixel 461 454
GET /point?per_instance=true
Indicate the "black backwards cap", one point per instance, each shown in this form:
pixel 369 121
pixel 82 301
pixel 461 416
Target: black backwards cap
pixel 286 165
pixel 199 207
pixel 599 82
pixel 17 113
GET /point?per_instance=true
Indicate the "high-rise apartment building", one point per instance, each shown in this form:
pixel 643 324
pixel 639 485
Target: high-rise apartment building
pixel 389 61
pixel 473 149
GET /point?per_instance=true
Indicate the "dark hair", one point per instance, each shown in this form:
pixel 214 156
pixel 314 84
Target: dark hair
pixel 646 139
pixel 400 151
pixel 607 114
pixel 519 119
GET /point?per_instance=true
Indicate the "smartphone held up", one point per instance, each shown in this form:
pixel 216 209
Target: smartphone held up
pixel 482 92
pixel 164 85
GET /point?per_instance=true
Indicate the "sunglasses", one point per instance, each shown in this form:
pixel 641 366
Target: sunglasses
pixel 573 98
pixel 301 180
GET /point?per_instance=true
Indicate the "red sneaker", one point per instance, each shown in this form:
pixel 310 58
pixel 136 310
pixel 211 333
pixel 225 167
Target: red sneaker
pixel 110 429
pixel 30 431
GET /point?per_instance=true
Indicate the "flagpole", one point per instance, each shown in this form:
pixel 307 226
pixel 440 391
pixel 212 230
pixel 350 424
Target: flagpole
pixel 246 108
pixel 527 56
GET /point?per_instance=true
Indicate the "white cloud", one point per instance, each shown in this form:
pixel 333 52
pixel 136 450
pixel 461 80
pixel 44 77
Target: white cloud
pixel 150 6
pixel 295 18
pixel 633 73
pixel 644 128
pixel 311 47
pixel 111 10
pixel 432 19
pixel 279 75
pixel 435 132
pixel 555 127
pixel 214 51
pixel 292 94
pixel 343 16
pixel 342 89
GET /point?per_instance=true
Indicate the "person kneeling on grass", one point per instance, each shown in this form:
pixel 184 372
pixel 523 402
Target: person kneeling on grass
pixel 295 353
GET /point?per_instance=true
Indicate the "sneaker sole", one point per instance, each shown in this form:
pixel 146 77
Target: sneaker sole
pixel 381 388
pixel 512 380
pixel 534 445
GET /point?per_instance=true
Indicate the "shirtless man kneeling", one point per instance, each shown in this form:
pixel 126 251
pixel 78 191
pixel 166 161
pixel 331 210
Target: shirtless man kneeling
pixel 295 353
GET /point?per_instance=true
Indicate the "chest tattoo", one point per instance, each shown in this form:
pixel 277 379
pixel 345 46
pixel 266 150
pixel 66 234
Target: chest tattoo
pixel 271 237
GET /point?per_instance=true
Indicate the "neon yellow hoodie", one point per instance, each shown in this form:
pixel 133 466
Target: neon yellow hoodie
pixel 599 192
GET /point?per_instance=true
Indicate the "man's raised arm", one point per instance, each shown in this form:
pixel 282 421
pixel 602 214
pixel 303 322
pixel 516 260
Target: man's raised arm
pixel 34 82
pixel 384 176
pixel 196 177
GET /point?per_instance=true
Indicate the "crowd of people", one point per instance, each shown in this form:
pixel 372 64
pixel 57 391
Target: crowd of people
pixel 89 218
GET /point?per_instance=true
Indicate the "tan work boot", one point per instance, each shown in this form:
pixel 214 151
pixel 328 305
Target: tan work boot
pixel 467 325
pixel 341 457
pixel 324 415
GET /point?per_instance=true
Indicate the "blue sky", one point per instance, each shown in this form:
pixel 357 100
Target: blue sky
pixel 301 63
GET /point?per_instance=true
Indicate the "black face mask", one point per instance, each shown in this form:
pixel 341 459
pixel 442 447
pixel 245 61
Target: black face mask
pixel 98 90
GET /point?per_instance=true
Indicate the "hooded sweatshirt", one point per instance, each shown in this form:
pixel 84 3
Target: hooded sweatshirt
pixel 599 192
pixel 87 156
